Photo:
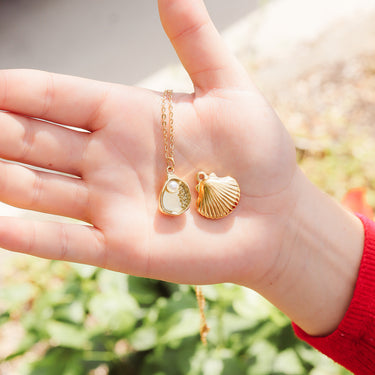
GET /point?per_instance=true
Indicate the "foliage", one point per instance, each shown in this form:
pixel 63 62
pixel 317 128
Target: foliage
pixel 78 319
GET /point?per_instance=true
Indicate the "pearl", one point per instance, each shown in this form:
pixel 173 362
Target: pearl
pixel 172 186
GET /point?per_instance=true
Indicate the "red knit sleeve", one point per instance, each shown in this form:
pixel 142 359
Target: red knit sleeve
pixel 353 343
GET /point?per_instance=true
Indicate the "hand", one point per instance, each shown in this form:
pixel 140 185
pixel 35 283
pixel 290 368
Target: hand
pixel 225 127
pixel 115 164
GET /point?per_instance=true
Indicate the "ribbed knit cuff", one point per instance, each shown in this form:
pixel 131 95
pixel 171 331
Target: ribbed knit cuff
pixel 352 344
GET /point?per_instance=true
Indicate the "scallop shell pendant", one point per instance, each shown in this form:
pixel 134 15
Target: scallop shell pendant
pixel 175 196
pixel 217 196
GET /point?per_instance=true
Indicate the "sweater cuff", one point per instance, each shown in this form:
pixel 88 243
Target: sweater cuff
pixel 352 344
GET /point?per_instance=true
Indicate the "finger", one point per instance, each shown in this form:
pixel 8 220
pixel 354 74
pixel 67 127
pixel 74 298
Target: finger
pixel 199 46
pixel 62 99
pixel 45 192
pixel 70 242
pixel 37 143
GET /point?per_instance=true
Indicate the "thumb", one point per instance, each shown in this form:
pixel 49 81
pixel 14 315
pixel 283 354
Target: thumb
pixel 199 46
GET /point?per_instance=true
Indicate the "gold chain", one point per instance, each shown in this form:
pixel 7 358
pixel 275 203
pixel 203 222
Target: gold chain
pixel 204 329
pixel 167 123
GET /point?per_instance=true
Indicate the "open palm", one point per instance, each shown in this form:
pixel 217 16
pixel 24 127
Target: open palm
pixel 114 165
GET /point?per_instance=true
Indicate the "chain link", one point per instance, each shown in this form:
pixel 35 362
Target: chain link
pixel 167 123
pixel 204 329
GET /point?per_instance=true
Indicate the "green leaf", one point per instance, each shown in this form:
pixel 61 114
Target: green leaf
pixel 178 302
pixel 74 312
pixel 234 366
pixel 17 295
pixel 144 338
pixel 288 363
pixel 74 367
pixel 116 311
pixel 227 293
pixel 233 323
pixel 284 338
pixel 68 335
pixel 213 366
pixel 252 306
pixel 84 271
pixel 110 281
pixel 263 354
pixel 57 361
pixel 27 342
pixel 143 290
pixel 167 360
pixel 183 324
pixel 278 318
pixel 4 317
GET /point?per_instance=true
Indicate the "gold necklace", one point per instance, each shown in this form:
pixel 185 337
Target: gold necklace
pixel 175 195
pixel 217 196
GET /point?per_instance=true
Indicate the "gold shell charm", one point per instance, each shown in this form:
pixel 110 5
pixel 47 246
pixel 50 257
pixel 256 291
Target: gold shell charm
pixel 175 196
pixel 217 196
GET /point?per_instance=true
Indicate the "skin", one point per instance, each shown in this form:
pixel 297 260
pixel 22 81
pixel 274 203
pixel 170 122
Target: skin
pixel 304 263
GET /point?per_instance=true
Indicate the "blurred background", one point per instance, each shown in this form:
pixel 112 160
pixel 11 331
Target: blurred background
pixel 315 63
pixel 111 40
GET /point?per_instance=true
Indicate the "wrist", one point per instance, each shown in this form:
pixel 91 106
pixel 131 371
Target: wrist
pixel 324 245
